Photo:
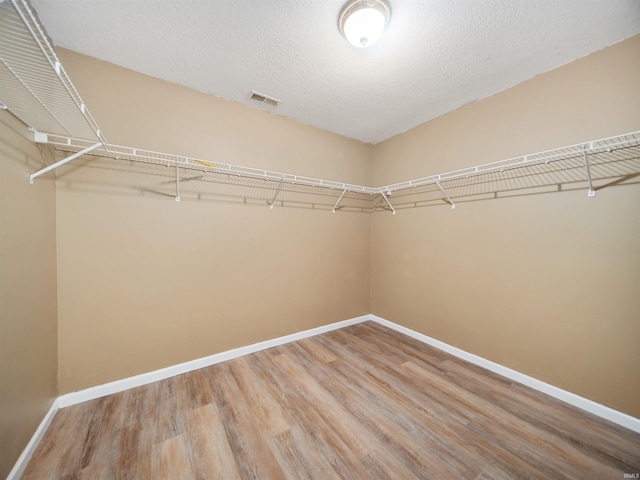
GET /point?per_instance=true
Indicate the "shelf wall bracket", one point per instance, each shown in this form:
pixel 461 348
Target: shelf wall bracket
pixel 453 205
pixel 591 192
pixel 53 166
pixel 388 202
pixel 276 194
pixel 177 181
pixel 338 202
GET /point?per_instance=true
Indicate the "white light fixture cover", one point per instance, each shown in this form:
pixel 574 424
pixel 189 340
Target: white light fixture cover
pixel 362 22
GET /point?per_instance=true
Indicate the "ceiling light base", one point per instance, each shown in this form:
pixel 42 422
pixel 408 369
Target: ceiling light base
pixel 362 22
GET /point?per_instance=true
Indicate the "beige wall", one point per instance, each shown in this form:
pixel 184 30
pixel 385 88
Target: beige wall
pixel 546 284
pixel 146 282
pixel 28 338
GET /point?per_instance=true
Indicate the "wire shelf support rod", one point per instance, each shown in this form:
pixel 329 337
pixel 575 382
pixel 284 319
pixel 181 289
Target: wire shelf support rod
pixel 53 166
pixel 591 192
pixel 453 205
pixel 388 202
pixel 276 194
pixel 333 210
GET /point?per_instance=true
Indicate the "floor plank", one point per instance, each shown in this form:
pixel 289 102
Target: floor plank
pixel 361 402
pixel 171 460
pixel 327 443
pixel 210 449
pixel 249 445
pixel 269 414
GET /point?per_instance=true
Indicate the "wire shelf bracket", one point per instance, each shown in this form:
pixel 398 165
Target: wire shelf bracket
pixel 393 210
pixel 177 182
pixel 59 163
pixel 591 192
pixel 453 205
pixel 333 210
pixel 275 195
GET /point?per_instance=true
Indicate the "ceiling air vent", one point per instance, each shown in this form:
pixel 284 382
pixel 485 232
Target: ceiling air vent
pixel 262 98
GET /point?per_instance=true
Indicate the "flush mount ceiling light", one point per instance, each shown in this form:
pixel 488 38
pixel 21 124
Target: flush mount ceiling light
pixel 362 22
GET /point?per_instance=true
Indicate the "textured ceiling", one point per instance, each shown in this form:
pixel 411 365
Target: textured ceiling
pixel 435 56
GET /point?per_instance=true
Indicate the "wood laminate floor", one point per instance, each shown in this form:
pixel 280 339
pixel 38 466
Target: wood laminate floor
pixel 360 402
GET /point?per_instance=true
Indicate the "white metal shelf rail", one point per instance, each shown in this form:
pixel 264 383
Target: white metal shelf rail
pixel 119 152
pixel 35 87
pixel 580 150
pixel 620 148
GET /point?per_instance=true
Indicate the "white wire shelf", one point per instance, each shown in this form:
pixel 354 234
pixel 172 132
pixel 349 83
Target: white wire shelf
pixel 546 161
pixel 34 85
pixel 607 169
pixel 592 165
pixel 577 166
pixel 148 157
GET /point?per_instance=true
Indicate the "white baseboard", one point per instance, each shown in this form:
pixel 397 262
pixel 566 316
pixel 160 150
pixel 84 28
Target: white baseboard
pixel 590 406
pixel 150 377
pixel 18 469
